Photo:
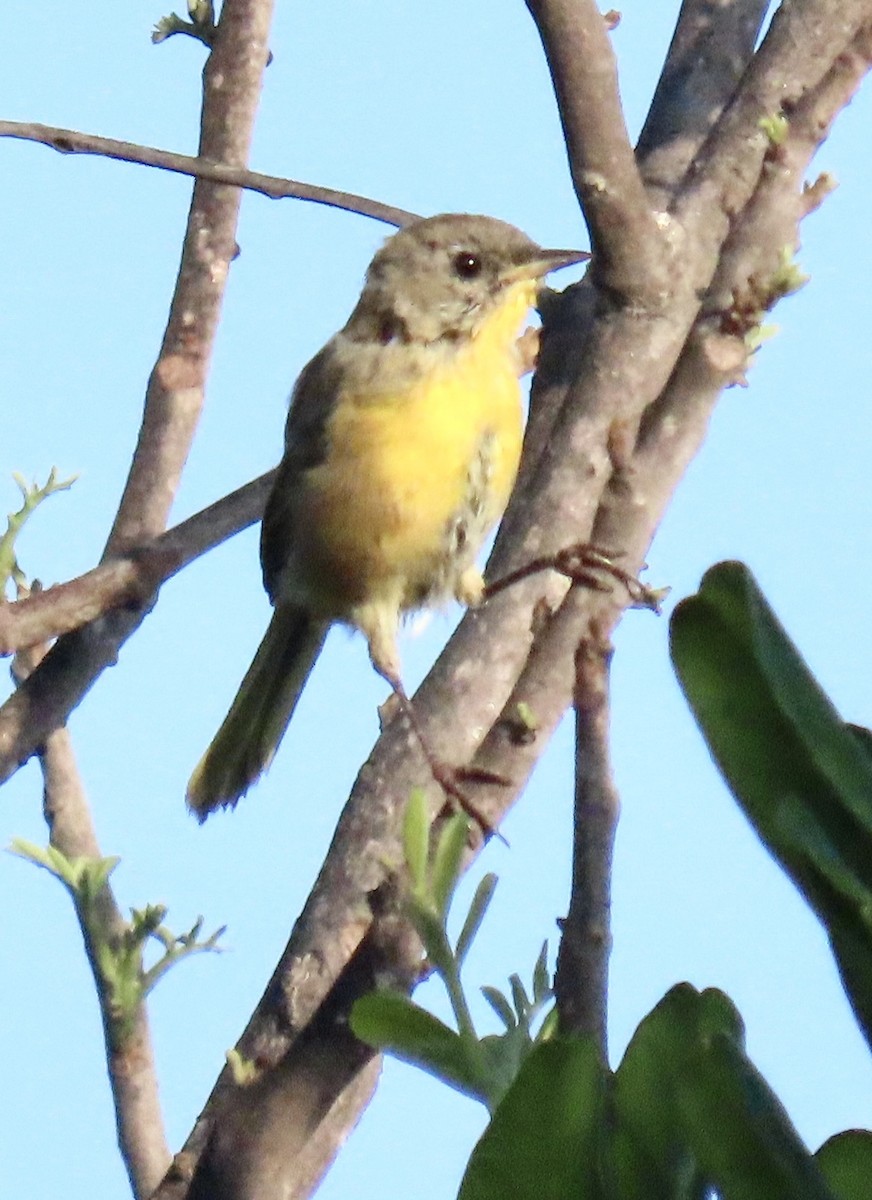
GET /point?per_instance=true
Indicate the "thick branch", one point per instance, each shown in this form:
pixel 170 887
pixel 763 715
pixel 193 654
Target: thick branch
pixel 581 980
pixel 803 41
pixel 626 243
pixel 712 45
pixel 70 141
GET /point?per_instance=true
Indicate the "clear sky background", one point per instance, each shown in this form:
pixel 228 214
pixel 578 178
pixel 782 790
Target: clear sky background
pixel 444 106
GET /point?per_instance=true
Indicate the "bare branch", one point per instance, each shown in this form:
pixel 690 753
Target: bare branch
pixel 232 81
pixel 628 256
pixel 45 615
pixel 581 980
pixel 276 1135
pixel 70 141
pixel 803 41
pixel 130 1062
pixel 231 91
pixel 129 581
pixel 712 45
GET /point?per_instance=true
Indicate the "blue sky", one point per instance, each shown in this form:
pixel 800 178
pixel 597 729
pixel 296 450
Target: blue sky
pixel 434 108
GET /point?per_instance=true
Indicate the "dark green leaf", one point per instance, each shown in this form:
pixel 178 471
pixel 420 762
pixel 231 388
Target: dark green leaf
pixel 739 1131
pixel 542 1141
pixel 802 776
pixel 846 1164
pixel 652 1142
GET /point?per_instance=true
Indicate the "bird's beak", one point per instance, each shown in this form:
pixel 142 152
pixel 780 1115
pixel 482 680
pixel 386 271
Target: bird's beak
pixel 538 266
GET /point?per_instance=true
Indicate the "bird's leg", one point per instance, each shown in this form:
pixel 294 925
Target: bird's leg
pixel 586 564
pixel 448 777
pixel 385 659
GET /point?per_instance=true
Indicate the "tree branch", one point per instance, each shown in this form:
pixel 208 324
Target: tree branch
pixel 581 979
pixel 174 397
pixel 628 258
pixel 70 141
pixel 712 45
pixel 803 41
pixel 232 81
pixel 129 581
pixel 130 1061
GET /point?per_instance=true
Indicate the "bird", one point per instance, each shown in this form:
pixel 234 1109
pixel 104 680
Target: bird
pixel 402 444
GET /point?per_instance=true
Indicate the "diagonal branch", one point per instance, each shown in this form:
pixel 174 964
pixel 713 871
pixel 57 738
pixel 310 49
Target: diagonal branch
pixel 174 397
pixel 70 141
pixel 803 41
pixel 712 45
pixel 130 1061
pixel 129 581
pixel 232 81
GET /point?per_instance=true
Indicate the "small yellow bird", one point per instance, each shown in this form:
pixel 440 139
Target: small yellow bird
pixel 401 449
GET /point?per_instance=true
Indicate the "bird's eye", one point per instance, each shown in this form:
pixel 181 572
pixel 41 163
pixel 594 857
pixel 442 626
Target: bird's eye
pixel 467 265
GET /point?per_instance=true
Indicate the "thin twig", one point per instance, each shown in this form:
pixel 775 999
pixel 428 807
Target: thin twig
pixel 581 980
pixel 130 1061
pixel 71 141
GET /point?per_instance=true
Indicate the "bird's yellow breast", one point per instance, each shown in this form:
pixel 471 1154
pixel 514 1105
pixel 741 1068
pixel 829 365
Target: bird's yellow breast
pixel 381 511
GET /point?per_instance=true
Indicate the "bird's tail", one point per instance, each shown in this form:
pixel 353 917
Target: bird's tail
pixel 250 734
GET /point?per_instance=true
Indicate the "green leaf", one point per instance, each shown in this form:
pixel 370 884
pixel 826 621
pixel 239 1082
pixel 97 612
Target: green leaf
pixel 652 1141
pixel 480 901
pixel 692 1113
pixel 802 776
pixel 542 978
pixel 84 877
pixel 846 1164
pixel 501 1006
pixel 431 931
pixel 416 839
pixel 519 997
pixel 739 1131
pixel 445 869
pixel 391 1021
pixel 542 1142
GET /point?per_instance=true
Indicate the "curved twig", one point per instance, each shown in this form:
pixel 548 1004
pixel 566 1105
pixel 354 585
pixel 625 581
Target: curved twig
pixel 71 141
